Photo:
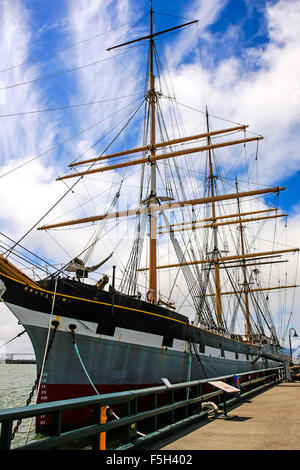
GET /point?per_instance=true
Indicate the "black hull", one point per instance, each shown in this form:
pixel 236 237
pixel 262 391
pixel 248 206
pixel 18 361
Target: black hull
pixel 83 302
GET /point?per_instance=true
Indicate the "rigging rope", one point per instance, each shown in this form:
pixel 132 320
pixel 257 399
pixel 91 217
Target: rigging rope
pixel 202 361
pixel 9 341
pixel 192 283
pixel 67 192
pixel 23 248
pixel 59 72
pixel 60 144
pixel 56 51
pixel 71 106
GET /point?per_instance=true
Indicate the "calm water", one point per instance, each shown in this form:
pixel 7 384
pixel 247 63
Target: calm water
pixel 16 382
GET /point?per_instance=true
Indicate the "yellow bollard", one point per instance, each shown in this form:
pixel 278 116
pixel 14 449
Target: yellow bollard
pixel 103 419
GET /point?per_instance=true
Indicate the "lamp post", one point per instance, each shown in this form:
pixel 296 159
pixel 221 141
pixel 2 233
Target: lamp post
pixel 295 336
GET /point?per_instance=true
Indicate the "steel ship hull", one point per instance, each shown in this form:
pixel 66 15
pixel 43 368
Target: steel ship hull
pixel 122 343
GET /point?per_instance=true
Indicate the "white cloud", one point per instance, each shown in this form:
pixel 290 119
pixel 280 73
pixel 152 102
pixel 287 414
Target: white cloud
pixel 266 97
pixel 21 137
pixel 23 193
pixel 188 40
pixel 105 80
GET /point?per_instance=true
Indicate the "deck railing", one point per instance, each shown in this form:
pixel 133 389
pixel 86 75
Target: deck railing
pixel 167 409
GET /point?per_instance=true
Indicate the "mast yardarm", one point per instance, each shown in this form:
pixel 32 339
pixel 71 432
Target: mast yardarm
pixel 160 144
pixel 209 219
pixel 218 224
pixel 162 207
pixel 152 35
pixel 154 157
pixel 261 289
pixel 226 258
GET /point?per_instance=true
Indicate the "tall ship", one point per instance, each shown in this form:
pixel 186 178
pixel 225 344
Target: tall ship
pixel 193 299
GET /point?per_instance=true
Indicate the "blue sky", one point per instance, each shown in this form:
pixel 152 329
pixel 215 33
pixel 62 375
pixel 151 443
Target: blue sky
pixel 241 60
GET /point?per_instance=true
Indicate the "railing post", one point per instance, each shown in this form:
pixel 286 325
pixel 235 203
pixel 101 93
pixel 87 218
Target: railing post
pixel 153 405
pixel 99 417
pixel 133 411
pixel 133 426
pixel 103 419
pixel 224 405
pixel 56 423
pixel 199 392
pixel 130 408
pixel 6 432
pixel 96 420
pixel 187 397
pixel 171 401
pixel 126 429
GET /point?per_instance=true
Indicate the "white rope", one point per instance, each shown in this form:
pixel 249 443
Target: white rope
pixel 91 382
pixel 45 354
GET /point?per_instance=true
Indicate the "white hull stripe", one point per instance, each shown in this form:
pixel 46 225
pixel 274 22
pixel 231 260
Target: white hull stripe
pixel 86 328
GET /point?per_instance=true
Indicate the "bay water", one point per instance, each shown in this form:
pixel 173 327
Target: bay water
pixel 16 382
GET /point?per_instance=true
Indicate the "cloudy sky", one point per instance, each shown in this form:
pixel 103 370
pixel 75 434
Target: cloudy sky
pixel 241 60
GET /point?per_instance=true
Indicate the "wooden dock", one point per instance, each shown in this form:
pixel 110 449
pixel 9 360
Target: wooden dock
pixel 269 421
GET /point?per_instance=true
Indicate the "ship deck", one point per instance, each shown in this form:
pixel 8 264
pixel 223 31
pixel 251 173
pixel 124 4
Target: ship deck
pixel 268 421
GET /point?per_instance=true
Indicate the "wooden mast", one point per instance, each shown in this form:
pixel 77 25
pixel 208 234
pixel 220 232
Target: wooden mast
pixel 152 197
pixel 245 285
pixel 215 230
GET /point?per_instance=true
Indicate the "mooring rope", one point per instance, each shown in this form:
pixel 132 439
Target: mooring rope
pixel 84 368
pixel 17 336
pixel 72 328
pixel 47 348
pixel 34 385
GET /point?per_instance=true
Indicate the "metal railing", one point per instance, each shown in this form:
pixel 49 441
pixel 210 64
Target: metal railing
pixel 168 408
pixel 22 358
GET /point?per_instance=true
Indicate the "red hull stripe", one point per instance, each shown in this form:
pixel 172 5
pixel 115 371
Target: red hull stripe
pixel 55 392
